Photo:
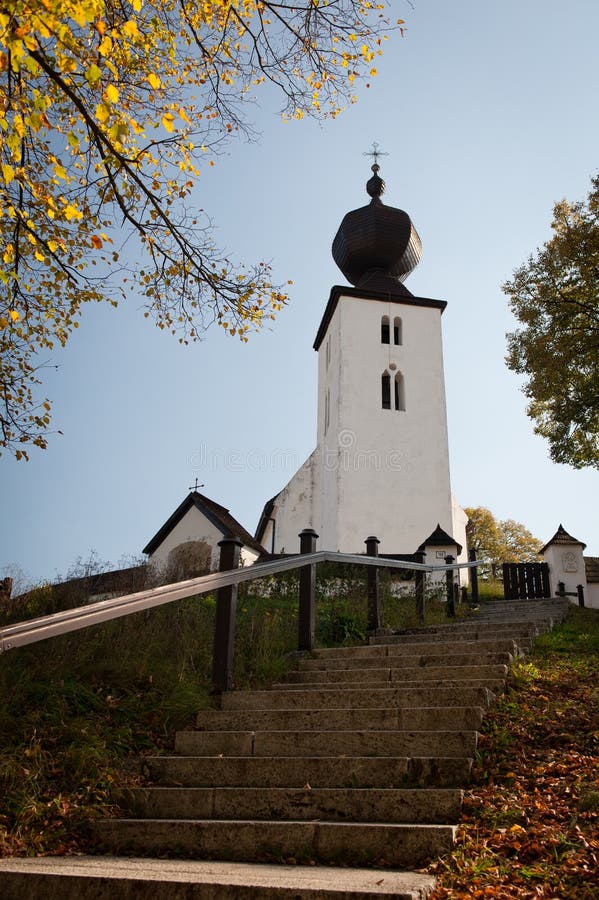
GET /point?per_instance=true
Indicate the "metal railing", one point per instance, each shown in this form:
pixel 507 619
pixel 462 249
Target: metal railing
pixel 225 583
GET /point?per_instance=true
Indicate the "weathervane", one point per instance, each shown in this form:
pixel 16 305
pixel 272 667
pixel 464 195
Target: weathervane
pixel 375 153
pixel 195 486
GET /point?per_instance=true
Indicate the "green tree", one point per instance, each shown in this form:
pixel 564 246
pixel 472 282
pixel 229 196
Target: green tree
pixel 555 297
pixel 497 541
pixel 110 112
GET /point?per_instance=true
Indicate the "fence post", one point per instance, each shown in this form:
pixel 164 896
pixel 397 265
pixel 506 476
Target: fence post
pixel 449 586
pixel 464 594
pixel 374 606
pixel 307 582
pixel 224 626
pixel 473 577
pixel 419 585
pixel 580 591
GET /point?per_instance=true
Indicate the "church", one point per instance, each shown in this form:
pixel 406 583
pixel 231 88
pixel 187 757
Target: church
pixel 381 463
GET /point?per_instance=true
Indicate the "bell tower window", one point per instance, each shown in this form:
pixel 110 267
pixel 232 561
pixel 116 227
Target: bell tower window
pixel 385 336
pixel 397 335
pixel 386 390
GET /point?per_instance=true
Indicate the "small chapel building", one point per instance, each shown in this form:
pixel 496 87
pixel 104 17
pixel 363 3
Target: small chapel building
pixel 381 462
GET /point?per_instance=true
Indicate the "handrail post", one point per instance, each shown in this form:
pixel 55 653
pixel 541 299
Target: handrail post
pixel 419 585
pixel 374 604
pixel 580 592
pixel 449 586
pixel 224 626
pixel 307 583
pixel 473 577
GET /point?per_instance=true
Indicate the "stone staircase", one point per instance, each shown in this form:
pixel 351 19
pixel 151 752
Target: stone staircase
pixel 357 760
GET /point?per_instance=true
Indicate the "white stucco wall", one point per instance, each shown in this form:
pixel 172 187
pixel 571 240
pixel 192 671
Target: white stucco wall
pixel 591 596
pixel 374 471
pixel 194 526
pixel 566 563
pixel 385 472
pixel 296 507
pixel 458 531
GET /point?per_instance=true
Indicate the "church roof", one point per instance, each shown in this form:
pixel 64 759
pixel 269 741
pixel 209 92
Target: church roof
pixel 561 536
pixel 440 538
pixel 377 240
pixel 591 564
pixel 265 517
pixel 220 517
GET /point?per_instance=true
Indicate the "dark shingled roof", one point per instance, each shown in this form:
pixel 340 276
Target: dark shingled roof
pixel 561 536
pixel 220 517
pixel 265 517
pixel 591 564
pixel 439 538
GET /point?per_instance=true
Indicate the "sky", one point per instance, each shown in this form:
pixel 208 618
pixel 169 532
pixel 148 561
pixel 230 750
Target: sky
pixel 489 114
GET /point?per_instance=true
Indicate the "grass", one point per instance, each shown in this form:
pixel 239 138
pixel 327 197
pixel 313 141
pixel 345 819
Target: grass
pixel 531 815
pixel 76 708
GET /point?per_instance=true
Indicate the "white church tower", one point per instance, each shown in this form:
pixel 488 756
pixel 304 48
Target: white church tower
pixel 381 465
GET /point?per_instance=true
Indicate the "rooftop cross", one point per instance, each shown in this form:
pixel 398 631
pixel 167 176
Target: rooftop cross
pixel 375 153
pixel 195 486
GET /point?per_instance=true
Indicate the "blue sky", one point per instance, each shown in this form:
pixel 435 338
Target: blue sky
pixel 489 114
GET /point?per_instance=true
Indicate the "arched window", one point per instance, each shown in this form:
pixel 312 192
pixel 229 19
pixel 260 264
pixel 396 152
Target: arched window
pixel 397 335
pixel 385 330
pixel 386 390
pixel 399 392
pixel 327 410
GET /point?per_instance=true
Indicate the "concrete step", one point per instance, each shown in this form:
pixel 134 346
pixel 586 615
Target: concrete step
pixel 454 639
pixel 395 805
pixel 473 627
pixel 408 695
pixel 296 772
pixel 391 648
pixel 494 685
pixel 418 661
pixel 327 743
pixel 114 878
pixel 355 844
pixel 399 674
pixel 455 718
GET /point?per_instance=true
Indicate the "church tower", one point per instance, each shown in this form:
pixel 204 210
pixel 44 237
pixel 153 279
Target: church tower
pixel 381 465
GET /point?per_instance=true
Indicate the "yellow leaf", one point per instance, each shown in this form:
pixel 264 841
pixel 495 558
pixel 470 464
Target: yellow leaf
pixel 167 121
pixel 15 316
pixel 102 113
pixel 154 81
pixel 111 94
pixel 93 74
pixel 8 173
pixel 71 212
pixel 130 29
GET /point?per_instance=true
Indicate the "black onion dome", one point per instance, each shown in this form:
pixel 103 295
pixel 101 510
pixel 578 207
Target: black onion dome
pixel 377 246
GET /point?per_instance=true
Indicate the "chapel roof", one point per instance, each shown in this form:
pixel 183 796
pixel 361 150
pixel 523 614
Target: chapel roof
pixel 220 517
pixel 440 538
pixel 561 536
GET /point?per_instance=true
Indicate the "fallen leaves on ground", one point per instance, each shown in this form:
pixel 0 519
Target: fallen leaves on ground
pixel 530 825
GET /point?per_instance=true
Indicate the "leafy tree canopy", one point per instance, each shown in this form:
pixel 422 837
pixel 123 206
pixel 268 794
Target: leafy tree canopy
pixel 555 297
pixel 109 112
pixel 498 541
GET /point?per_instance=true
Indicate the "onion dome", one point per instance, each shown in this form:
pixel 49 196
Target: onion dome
pixel 377 246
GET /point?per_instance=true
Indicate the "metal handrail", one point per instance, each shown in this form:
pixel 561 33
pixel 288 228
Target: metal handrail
pixel 43 627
